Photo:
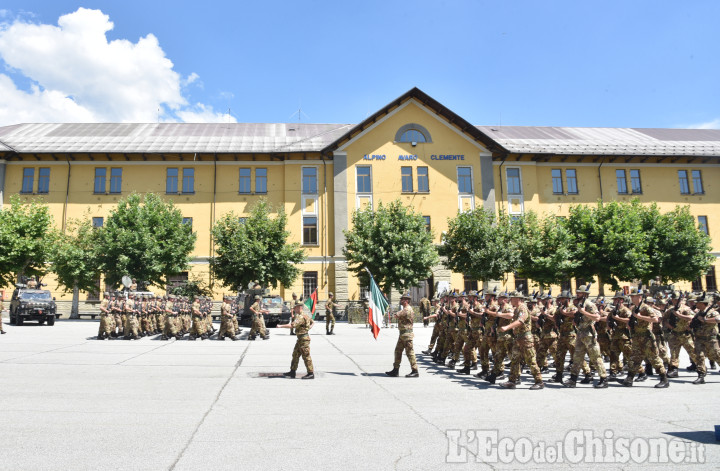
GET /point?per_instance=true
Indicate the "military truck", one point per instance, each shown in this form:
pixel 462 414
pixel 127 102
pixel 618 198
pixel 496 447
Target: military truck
pixel 279 312
pixel 32 305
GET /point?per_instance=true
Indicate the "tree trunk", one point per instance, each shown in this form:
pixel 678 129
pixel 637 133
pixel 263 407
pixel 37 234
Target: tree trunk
pixel 74 310
pixel 601 287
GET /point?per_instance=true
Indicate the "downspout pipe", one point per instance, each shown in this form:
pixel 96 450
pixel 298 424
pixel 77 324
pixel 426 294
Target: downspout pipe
pixel 323 246
pixel 600 178
pixel 67 196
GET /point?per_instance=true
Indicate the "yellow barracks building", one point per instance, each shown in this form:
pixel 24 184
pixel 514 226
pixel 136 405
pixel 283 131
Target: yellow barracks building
pixel 414 149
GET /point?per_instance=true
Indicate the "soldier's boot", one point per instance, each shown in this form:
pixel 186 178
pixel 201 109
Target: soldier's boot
pixel 642 377
pixel 612 376
pixel 558 378
pixel 327 330
pixel 602 384
pixel 672 372
pixel 393 373
pixel 508 384
pixel 204 336
pixel 587 379
pixel 164 337
pixel 266 337
pixel 465 370
pixel 664 383
pixel 310 375
pixel 473 366
pixel 692 367
pixel 700 379
pixel 451 364
pixel 483 373
pixel 192 337
pixel 413 374
pixel 491 378
pixel 537 385
pixel 569 366
pixel 544 369
pixel 289 374
pixel 648 369
pixel 712 364
pixel 332 330
pixel 99 337
pixel 500 376
pixel 252 337
pixel 426 352
pixel 571 382
pixel 628 381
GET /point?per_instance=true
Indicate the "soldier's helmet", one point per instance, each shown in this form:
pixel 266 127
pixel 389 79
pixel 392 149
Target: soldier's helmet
pixel 703 298
pixel 649 300
pixel 473 293
pixel 515 294
pixel 257 297
pixel 330 294
pixel 619 295
pixel 661 302
pixel 582 289
pixel 297 303
pixel 564 295
pixel 406 296
pixel 106 294
pixel 635 292
pixel 503 295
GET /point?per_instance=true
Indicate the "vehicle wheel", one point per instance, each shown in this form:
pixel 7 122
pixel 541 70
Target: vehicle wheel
pixel 12 320
pixel 41 321
pixel 50 320
pixel 18 320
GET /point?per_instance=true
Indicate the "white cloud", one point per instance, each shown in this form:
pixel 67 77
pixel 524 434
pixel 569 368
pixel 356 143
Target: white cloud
pixel 714 124
pixel 78 75
pixel 203 114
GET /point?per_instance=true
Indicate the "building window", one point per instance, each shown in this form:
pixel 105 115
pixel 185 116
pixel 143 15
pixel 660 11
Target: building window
pixel 557 182
pixel 364 180
pixel 469 284
pixel 171 181
pixel 115 180
pixel 621 182
pixel 427 223
pixel 309 180
pixel 407 179
pixel 100 175
pixel 521 284
pixel 697 285
pixel 310 230
pixel 174 281
pixel 44 180
pixel 703 224
pixel 571 177
pixel 566 285
pixel 187 222
pixel 188 184
pixel 710 284
pixel 244 186
pixel 635 184
pixel 310 283
pixel 28 180
pixel 697 182
pixel 684 185
pixel 513 181
pixel 423 181
pixel 413 133
pixel 97 222
pixel 464 175
pixel 260 180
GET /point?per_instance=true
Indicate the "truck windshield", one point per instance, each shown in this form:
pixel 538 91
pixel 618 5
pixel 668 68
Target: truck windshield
pixel 35 296
pixel 273 302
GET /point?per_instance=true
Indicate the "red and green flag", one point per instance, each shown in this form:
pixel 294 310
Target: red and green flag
pixel 311 303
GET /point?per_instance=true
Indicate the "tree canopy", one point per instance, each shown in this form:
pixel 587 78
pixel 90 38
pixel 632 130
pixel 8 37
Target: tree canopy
pixel 27 235
pixel 393 243
pixel 144 238
pixel 255 249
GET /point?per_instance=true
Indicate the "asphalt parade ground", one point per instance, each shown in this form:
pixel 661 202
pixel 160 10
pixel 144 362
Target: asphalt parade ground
pixel 71 402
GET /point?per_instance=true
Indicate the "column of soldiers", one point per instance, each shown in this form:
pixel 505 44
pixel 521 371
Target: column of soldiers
pixel 635 327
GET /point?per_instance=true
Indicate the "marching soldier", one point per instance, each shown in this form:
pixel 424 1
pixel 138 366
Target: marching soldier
pixel 564 315
pixel 172 321
pixel 131 322
pixel 586 341
pixel 548 333
pixel 198 322
pixel 706 335
pixel 643 340
pixel 463 324
pixel 425 310
pixel 2 330
pixel 437 326
pixel 405 318
pixel 487 342
pixel 107 323
pixel 227 327
pixel 677 320
pixel 330 315
pixel 620 342
pixel 474 336
pixel 258 321
pixel 452 330
pixel 302 325
pixel 522 349
pixel 504 338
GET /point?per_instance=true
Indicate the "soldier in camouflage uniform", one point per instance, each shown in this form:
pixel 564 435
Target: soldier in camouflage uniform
pixel 198 322
pixel 643 340
pixel 504 340
pixel 451 329
pixel 441 318
pixel 487 342
pixel 107 323
pixel 564 315
pixel 116 307
pixel 302 325
pixel 522 349
pixel 425 310
pixel 587 315
pixel 2 330
pixel 463 331
pixel 405 319
pixel 601 327
pixel 548 333
pixel 437 326
pixel 660 306
pixel 677 320
pixel 227 327
pixel 172 321
pixel 706 336
pixel 132 326
pixel 330 315
pixel 258 323
pixel 475 314
pixel 620 342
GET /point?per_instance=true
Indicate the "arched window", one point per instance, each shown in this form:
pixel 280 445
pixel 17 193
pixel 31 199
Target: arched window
pixel 412 132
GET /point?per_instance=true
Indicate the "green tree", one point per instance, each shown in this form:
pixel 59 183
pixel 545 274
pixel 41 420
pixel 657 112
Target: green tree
pixel 193 287
pixel 677 249
pixel 75 260
pixel 27 236
pixel 393 243
pixel 480 245
pixel 255 250
pixel 546 249
pixel 144 239
pixel 609 242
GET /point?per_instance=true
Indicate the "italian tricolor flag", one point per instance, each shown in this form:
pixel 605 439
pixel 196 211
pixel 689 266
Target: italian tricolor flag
pixel 378 306
pixel 311 303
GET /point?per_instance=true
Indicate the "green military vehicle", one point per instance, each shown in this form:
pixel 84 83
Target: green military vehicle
pixel 279 312
pixel 32 305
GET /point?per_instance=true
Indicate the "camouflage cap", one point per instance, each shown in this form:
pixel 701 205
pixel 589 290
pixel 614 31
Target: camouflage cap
pixel 406 296
pixel 330 293
pixel 516 294
pixel 661 301
pixel 503 295
pixel 634 292
pixel 703 298
pixel 619 294
pixel 257 297
pixel 473 293
pixel 298 303
pixel 650 300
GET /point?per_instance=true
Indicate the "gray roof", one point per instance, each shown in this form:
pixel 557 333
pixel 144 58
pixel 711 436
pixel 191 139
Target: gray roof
pixel 170 137
pixel 606 141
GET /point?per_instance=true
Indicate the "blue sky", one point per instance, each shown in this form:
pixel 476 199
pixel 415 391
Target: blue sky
pixel 551 63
